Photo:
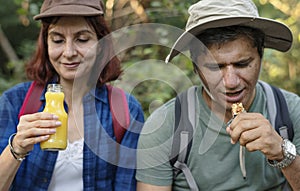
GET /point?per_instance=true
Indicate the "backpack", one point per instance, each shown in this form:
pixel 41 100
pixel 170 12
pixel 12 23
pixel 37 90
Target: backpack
pixel 185 122
pixel 117 101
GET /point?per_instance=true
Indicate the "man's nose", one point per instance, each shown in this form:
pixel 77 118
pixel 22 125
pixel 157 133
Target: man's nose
pixel 230 77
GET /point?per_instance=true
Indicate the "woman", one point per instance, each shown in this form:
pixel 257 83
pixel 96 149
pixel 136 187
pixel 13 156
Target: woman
pixel 73 50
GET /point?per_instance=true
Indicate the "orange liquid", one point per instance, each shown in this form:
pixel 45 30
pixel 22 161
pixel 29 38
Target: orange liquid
pixel 54 105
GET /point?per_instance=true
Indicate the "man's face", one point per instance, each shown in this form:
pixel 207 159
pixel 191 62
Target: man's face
pixel 230 72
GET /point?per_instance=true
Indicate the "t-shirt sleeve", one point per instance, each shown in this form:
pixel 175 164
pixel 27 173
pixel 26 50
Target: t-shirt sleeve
pixel 293 102
pixel 154 147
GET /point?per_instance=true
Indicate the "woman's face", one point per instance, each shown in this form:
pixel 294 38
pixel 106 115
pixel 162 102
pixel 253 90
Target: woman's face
pixel 230 71
pixel 72 45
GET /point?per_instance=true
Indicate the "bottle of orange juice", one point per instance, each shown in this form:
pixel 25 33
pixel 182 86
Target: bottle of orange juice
pixel 55 105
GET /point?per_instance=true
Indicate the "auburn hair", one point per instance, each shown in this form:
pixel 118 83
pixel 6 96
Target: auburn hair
pixel 41 70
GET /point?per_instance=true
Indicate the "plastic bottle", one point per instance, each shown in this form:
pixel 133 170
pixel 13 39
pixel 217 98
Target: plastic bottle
pixel 55 105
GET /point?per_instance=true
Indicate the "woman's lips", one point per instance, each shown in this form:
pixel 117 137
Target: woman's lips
pixel 71 65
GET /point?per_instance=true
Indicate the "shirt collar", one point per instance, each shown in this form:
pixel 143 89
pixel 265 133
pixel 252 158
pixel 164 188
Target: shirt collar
pixel 99 93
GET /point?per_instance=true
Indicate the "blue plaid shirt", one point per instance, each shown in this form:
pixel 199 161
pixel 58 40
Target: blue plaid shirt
pixel 103 167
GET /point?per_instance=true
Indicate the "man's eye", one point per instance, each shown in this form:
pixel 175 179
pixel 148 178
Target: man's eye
pixel 242 64
pixel 213 67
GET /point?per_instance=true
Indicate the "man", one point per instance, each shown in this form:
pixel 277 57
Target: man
pixel 227 50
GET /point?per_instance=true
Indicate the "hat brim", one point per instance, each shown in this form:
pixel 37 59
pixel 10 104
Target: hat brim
pixel 278 36
pixel 69 10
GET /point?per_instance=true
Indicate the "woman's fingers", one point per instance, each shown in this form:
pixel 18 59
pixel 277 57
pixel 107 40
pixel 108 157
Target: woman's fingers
pixel 38 116
pixel 34 128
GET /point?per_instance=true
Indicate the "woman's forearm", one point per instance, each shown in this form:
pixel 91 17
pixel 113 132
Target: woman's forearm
pixel 9 167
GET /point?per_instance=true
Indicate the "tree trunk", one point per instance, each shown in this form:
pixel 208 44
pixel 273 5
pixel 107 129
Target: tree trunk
pixel 7 48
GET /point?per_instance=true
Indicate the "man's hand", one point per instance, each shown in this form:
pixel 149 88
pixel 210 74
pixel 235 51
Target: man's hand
pixel 255 132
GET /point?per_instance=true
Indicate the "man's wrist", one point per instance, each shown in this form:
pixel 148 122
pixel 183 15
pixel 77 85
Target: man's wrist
pixel 289 155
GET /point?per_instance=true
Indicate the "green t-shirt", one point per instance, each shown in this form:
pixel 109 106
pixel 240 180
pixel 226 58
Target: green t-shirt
pixel 213 160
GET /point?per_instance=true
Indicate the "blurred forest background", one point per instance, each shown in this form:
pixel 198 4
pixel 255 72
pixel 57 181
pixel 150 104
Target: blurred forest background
pixel 18 32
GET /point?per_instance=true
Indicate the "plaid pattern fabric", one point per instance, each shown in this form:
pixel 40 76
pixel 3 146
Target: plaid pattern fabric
pixel 103 167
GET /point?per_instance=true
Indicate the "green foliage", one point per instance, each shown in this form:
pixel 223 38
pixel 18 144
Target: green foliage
pixel 281 69
pixel 172 12
pixel 13 75
pixel 153 82
pixel 21 32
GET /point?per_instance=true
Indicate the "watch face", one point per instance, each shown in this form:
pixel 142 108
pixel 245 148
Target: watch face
pixel 290 147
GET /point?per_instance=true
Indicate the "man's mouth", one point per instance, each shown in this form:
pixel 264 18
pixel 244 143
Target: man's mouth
pixel 234 96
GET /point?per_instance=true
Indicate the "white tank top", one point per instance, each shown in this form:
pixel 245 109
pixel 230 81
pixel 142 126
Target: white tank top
pixel 67 173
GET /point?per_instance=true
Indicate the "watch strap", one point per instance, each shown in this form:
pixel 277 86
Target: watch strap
pixel 289 156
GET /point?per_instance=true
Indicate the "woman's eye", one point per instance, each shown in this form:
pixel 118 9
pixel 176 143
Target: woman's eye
pixel 57 40
pixel 83 39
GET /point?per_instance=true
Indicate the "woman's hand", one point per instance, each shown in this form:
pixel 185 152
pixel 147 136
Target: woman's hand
pixel 32 129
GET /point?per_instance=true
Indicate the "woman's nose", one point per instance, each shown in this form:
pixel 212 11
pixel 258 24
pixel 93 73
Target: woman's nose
pixel 70 49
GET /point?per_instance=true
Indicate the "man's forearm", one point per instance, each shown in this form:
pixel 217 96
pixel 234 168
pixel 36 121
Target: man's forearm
pixel 292 173
pixel 147 187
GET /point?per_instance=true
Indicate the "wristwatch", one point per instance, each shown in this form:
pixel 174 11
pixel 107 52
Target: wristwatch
pixel 289 155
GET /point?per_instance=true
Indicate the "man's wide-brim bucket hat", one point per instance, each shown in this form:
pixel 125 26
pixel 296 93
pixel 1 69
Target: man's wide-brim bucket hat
pixel 208 14
pixel 52 8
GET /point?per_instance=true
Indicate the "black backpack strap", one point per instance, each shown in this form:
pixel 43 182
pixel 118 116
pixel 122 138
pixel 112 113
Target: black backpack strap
pixel 278 111
pixel 183 134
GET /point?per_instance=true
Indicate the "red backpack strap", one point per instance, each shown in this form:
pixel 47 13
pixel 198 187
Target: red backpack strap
pixel 32 102
pixel 120 112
